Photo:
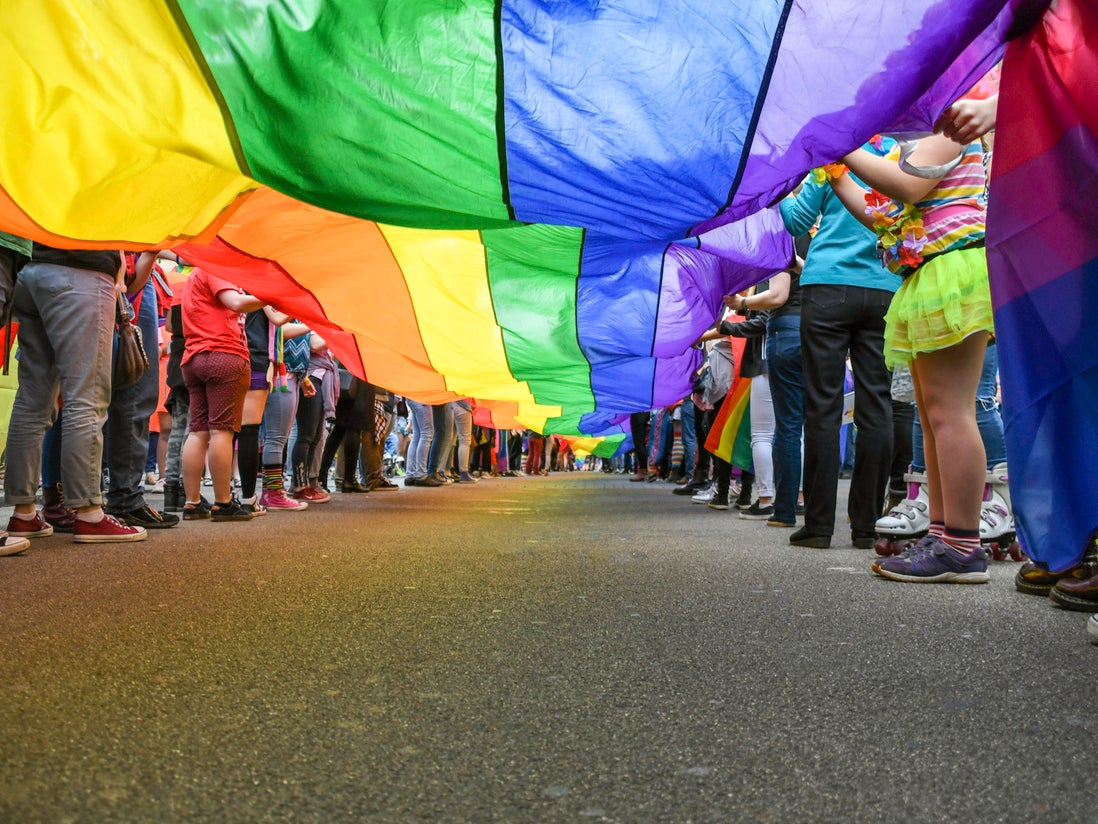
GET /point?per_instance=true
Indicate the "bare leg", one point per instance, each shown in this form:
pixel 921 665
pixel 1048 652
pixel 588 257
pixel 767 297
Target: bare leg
pixel 194 463
pixel 221 464
pixel 945 389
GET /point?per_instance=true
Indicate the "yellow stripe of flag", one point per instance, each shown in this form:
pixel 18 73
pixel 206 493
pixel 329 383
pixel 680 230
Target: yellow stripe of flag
pixel 447 278
pixel 80 122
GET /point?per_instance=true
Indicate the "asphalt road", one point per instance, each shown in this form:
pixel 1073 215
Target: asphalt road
pixel 571 648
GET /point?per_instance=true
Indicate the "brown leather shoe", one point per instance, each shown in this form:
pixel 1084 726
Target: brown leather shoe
pixel 1032 580
pixel 1080 594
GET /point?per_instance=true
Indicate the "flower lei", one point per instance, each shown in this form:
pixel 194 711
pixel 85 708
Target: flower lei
pixel 832 171
pixel 900 234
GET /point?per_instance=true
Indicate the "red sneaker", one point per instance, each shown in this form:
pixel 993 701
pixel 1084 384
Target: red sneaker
pixel 312 495
pixel 35 527
pixel 107 531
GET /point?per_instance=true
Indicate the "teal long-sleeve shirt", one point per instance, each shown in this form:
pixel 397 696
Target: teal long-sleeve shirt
pixel 843 251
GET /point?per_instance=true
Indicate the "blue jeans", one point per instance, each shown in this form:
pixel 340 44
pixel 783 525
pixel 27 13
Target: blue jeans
pixel 783 358
pixel 126 435
pixel 278 420
pixel 423 432
pixel 463 422
pixel 66 331
pixel 988 418
pixel 689 438
pixel 51 452
pixel 438 459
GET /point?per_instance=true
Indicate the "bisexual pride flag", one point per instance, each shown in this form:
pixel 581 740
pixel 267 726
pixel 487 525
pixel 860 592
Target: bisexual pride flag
pixel 1043 257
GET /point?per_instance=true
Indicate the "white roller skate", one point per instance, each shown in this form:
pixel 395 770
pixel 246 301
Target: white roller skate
pixel 906 522
pixel 997 519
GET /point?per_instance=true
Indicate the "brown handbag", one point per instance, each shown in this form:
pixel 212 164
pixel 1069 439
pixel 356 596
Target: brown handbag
pixel 130 361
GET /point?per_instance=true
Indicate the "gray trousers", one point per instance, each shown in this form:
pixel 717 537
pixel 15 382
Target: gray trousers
pixel 66 332
pixel 181 427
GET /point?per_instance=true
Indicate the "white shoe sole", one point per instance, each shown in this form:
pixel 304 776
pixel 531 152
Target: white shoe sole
pixel 110 539
pixel 14 546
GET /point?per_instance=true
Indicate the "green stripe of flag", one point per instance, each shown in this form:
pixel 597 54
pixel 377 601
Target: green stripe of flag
pixel 532 273
pixel 341 103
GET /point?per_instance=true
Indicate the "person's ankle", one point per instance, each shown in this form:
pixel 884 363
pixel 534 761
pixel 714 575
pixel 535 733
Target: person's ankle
pixel 90 515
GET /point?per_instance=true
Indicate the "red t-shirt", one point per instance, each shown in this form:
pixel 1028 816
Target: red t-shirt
pixel 208 324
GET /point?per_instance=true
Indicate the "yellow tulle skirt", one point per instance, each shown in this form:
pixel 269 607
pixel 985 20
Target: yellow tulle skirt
pixel 939 306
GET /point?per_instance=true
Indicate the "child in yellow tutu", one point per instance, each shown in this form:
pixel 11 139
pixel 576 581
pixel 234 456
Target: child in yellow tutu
pixel 930 223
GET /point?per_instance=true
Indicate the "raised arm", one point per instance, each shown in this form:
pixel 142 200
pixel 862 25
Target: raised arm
pixel 886 176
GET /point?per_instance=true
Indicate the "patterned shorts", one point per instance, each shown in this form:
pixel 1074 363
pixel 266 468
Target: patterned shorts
pixel 217 383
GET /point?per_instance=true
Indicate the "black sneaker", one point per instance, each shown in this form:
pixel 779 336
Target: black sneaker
pixel 743 500
pixel 802 537
pixel 147 517
pixel 196 512
pixel 688 488
pixel 755 512
pixel 863 540
pixel 232 511
pixel 174 498
pixel 719 501
pixel 254 506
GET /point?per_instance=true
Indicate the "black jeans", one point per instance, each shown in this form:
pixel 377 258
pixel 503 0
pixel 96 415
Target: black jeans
pixel 638 427
pixel 836 320
pixel 310 426
pixel 903 421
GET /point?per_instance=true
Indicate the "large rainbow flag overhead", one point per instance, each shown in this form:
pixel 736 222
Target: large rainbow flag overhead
pixel 539 204
pixel 535 204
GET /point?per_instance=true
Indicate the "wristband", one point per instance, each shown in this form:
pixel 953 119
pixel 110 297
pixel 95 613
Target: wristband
pixel 743 306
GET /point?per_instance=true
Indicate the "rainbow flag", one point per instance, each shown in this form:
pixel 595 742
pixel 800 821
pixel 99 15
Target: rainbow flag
pixel 537 205
pixel 1043 259
pixel 726 435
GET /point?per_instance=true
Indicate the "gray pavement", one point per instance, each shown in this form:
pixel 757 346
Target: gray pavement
pixel 570 648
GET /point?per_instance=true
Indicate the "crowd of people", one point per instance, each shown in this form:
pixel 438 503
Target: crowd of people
pixel 889 290
pixel 237 395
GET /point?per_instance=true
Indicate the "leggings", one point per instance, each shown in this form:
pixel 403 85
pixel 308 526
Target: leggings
pixel 310 427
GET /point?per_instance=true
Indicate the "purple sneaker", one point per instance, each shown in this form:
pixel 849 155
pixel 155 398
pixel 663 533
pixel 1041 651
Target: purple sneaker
pixel 936 562
pixel 916 548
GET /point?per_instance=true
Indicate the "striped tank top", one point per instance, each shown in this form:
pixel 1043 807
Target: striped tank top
pixel 952 212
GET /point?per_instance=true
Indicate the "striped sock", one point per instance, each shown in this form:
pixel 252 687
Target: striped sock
pixel 966 541
pixel 272 477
